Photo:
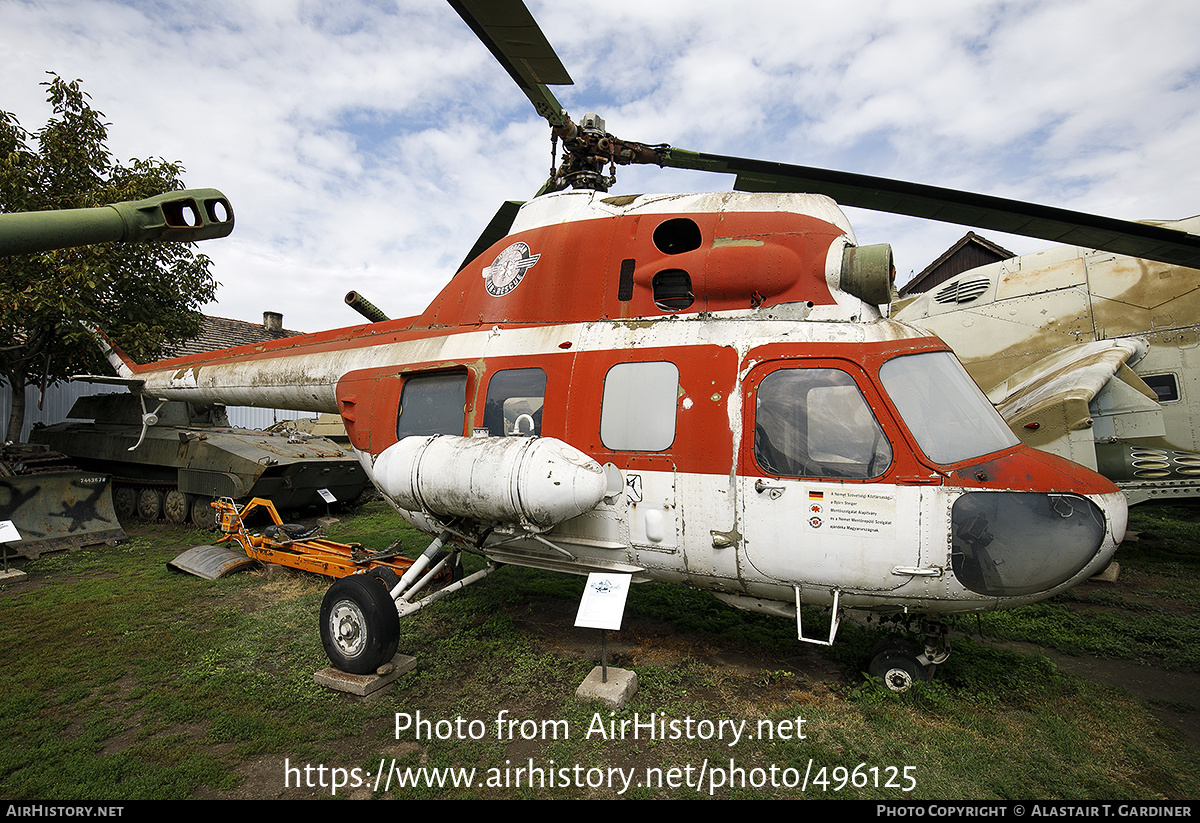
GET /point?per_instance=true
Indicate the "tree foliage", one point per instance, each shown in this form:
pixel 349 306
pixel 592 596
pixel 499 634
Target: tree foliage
pixel 146 296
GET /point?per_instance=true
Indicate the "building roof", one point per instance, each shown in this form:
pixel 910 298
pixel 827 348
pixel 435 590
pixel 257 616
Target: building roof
pixel 223 333
pixel 968 253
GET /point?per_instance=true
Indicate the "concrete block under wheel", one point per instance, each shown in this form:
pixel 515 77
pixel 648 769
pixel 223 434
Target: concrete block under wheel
pixel 364 685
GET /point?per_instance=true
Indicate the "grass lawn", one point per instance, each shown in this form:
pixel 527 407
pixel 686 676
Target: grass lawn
pixel 124 680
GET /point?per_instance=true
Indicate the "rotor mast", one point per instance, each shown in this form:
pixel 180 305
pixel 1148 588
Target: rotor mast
pixel 518 44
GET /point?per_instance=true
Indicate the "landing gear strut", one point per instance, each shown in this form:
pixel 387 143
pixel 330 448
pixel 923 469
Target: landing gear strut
pixel 360 614
pixel 901 663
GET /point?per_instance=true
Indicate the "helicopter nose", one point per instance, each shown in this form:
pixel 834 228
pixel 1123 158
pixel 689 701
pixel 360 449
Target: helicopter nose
pixel 1009 544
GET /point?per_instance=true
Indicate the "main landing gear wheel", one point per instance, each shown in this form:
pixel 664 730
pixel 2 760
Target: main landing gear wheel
pixel 360 627
pixel 897 666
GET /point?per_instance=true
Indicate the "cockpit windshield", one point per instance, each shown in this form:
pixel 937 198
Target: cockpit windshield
pixel 943 408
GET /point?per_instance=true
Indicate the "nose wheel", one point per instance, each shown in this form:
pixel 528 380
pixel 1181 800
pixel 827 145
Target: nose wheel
pixel 900 664
pixel 898 668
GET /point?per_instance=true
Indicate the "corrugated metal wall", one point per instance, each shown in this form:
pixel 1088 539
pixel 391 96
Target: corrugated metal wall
pixel 61 396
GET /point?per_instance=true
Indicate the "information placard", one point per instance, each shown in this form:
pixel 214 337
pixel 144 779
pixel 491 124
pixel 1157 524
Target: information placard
pixel 603 603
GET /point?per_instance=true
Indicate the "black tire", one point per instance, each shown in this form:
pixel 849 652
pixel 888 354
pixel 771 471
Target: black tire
pixel 384 575
pixel 897 670
pixel 455 566
pixel 893 644
pixel 360 627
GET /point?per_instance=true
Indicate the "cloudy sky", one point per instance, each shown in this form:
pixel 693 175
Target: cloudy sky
pixel 364 145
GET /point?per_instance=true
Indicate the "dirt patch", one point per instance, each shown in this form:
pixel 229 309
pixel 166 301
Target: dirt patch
pixel 1174 697
pixel 644 641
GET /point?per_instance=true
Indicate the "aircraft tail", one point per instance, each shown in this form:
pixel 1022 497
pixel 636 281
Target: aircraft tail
pixel 119 359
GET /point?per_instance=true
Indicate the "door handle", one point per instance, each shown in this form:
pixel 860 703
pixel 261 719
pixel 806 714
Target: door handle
pixel 772 491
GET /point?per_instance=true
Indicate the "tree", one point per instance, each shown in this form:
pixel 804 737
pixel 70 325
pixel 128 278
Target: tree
pixel 146 296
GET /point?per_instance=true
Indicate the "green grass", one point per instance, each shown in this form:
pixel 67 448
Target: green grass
pixel 124 680
pixel 1149 616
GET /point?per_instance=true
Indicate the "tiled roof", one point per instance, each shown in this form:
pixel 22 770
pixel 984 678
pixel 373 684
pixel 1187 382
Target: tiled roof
pixel 223 333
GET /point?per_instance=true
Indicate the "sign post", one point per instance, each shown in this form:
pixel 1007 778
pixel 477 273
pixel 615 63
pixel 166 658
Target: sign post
pixel 603 607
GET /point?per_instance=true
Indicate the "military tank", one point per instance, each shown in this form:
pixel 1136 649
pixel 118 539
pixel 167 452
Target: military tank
pixel 185 456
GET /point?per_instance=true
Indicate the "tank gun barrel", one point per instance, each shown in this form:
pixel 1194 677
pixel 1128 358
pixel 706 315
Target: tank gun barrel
pixel 365 307
pixel 181 216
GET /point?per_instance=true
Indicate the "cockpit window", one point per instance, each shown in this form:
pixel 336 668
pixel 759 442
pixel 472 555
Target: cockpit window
pixel 811 422
pixel 943 408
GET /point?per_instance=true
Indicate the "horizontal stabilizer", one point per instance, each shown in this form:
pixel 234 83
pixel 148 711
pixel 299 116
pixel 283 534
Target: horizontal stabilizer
pixel 132 383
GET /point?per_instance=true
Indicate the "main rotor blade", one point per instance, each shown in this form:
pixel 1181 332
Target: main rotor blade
pixel 512 35
pixel 495 231
pixel 983 211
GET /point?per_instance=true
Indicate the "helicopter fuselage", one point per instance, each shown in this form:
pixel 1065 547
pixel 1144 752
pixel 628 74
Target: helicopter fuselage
pixel 724 413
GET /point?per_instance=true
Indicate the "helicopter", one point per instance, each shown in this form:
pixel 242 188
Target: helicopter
pixel 1087 354
pixel 699 389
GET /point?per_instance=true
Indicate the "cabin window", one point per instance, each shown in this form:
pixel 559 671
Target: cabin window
pixel 514 402
pixel 638 409
pixel 816 423
pixel 946 412
pixel 432 404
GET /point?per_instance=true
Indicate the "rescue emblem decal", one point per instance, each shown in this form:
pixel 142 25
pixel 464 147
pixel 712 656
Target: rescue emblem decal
pixel 508 269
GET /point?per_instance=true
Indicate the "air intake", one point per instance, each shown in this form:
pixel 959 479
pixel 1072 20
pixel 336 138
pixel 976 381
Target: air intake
pixel 963 291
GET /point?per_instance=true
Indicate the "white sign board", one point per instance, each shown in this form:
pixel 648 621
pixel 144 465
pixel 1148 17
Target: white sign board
pixel 603 603
pixel 8 532
pixel 327 495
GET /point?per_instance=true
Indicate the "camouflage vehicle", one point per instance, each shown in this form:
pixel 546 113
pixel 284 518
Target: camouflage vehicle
pixel 1087 354
pixel 185 456
pixel 52 505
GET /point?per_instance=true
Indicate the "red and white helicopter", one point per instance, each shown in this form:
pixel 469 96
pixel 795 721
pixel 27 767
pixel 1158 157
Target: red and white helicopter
pixel 701 389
